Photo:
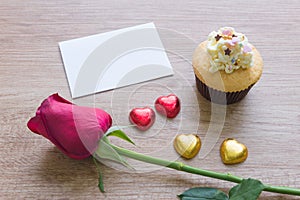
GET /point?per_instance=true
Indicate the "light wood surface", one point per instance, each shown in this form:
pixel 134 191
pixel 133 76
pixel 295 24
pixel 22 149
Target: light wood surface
pixel 267 120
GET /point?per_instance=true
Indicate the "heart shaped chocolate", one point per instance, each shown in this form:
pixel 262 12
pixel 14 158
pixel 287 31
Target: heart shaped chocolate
pixel 143 118
pixel 187 145
pixel 233 152
pixel 168 105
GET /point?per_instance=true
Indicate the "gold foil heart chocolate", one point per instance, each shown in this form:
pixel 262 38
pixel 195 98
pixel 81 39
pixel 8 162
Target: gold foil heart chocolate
pixel 233 152
pixel 187 145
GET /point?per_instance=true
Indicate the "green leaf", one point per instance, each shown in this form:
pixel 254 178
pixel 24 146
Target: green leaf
pixel 105 151
pixel 248 189
pixel 100 177
pixel 120 134
pixel 114 128
pixel 203 193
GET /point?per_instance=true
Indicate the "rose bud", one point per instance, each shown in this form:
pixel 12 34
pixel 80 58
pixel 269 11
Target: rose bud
pixel 75 130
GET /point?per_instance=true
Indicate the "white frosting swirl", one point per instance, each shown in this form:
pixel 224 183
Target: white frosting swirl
pixel 229 50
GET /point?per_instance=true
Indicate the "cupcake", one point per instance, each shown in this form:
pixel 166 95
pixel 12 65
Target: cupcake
pixel 226 66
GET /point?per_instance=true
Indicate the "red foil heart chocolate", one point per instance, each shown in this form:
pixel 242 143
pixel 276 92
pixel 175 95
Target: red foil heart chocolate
pixel 143 118
pixel 168 105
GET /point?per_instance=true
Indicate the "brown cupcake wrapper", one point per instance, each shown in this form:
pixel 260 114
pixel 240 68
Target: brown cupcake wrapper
pixel 220 97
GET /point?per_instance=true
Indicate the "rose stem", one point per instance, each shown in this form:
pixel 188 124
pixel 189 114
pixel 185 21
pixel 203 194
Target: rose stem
pixel 182 167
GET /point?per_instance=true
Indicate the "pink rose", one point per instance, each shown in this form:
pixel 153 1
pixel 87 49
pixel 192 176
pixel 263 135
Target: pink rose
pixel 75 130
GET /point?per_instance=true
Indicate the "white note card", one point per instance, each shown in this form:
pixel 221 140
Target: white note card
pixel 114 59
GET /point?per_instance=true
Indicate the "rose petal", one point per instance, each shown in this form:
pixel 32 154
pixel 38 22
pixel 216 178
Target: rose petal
pixel 75 130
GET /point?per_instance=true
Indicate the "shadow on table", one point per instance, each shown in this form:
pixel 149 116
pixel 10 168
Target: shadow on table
pixel 58 170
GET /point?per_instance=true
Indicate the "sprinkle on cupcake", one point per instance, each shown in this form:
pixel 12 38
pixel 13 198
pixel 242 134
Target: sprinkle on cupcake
pixel 229 50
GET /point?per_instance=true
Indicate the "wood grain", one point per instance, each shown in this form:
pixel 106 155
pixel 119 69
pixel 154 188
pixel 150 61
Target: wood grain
pixel 267 120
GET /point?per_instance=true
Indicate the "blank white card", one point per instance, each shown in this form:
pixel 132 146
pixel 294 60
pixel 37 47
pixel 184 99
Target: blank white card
pixel 114 59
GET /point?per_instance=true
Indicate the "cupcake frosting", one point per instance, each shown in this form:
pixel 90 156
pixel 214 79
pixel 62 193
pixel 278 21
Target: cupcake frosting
pixel 229 50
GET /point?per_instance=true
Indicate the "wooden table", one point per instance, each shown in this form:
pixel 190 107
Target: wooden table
pixel 267 120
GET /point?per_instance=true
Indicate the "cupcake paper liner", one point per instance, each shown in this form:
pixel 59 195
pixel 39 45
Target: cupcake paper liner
pixel 220 97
